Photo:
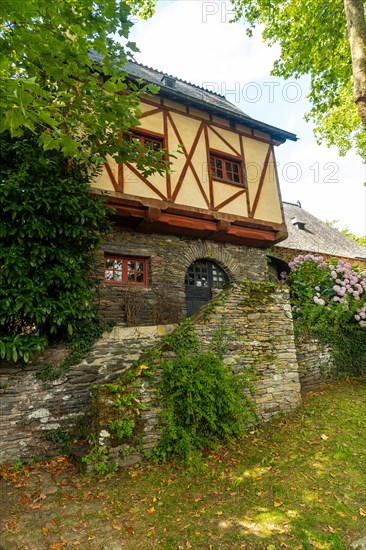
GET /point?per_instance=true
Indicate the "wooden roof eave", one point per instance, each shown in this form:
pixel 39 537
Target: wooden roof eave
pixel 151 215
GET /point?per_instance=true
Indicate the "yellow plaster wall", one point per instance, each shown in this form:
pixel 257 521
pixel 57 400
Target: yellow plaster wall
pixel 145 107
pixel 262 135
pixel 133 185
pixel 154 99
pixel 222 192
pixel 187 128
pixel 174 105
pixel 190 193
pixel 153 123
pixel 269 207
pixel 103 181
pixel 221 121
pixel 238 206
pixel 255 154
pixel 199 161
pixel 198 113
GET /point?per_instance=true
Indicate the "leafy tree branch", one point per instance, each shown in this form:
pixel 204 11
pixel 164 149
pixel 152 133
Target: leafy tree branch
pixel 326 41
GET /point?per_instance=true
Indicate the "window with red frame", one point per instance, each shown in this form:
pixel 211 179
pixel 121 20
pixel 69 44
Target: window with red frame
pixel 225 169
pixel 153 143
pixel 119 270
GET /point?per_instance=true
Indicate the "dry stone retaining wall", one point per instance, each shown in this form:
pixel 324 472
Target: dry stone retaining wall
pixel 256 315
pixel 258 322
pixel 314 360
pixel 29 407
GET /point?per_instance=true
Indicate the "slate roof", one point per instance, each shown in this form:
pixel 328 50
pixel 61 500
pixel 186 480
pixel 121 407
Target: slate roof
pixel 203 99
pixel 317 236
pixel 197 96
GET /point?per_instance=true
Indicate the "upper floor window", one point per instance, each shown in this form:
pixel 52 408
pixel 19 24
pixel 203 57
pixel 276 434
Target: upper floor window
pixel 154 143
pixel 120 270
pixel 225 169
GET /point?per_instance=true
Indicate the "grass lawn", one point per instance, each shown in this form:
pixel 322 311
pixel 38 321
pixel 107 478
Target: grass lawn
pixel 297 482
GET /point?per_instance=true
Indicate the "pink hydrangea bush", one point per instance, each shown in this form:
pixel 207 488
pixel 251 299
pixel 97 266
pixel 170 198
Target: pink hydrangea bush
pixel 327 291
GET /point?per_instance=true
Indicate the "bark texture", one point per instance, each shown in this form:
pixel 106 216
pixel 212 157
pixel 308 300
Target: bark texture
pixel 355 15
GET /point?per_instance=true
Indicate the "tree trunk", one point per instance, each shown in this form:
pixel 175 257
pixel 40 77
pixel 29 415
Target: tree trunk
pixel 355 16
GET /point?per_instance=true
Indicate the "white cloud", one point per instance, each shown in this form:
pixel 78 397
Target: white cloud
pixel 188 40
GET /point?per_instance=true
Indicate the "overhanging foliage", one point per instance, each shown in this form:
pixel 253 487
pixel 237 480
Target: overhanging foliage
pixel 50 226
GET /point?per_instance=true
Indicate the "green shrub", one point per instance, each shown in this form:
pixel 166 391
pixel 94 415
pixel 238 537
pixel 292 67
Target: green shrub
pixel 204 402
pixel 50 227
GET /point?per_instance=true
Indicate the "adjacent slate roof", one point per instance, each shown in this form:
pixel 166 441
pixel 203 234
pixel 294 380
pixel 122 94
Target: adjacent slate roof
pixel 204 99
pixel 316 236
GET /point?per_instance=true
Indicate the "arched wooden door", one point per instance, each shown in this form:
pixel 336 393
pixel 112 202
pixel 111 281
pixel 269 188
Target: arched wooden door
pixel 201 278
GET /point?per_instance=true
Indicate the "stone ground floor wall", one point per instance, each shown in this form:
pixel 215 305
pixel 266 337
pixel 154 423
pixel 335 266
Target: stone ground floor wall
pixel 29 408
pixel 163 300
pixel 314 360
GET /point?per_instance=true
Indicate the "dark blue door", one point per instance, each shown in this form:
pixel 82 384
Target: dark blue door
pixel 202 276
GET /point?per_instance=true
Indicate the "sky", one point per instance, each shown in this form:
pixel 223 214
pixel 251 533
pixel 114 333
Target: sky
pixel 194 40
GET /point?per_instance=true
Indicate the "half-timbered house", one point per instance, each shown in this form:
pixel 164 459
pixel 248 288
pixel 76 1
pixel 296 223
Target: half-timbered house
pixel 179 237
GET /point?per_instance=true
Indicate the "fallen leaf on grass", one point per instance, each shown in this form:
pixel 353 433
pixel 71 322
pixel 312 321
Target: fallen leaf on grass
pixel 45 529
pixel 324 437
pixel 151 510
pixel 362 512
pixel 11 526
pixel 219 513
pixel 129 529
pixel 277 504
pixel 59 545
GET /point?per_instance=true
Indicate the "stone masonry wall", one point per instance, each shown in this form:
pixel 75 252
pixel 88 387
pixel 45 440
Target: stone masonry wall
pixel 29 407
pixel 314 360
pixel 163 300
pixel 288 254
pixel 258 322
pixel 264 342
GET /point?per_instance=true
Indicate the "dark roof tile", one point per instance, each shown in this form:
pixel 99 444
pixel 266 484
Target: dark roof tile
pixel 317 236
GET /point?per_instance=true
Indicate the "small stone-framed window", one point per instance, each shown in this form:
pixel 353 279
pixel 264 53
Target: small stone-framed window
pixel 122 270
